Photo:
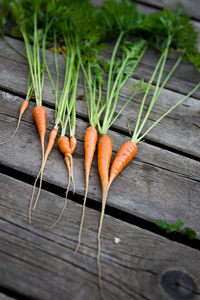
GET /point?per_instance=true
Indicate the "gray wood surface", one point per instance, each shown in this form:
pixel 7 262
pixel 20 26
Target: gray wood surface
pixel 191 7
pixel 4 297
pixel 166 185
pixel 41 264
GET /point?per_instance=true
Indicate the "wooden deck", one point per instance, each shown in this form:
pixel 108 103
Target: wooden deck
pixel 162 182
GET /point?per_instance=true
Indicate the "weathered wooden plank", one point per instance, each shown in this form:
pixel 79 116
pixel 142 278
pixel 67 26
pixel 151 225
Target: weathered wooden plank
pixel 191 7
pixel 41 264
pixel 157 184
pixel 4 297
pixel 179 125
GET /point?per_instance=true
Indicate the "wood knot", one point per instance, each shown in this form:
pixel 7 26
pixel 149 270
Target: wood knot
pixel 178 285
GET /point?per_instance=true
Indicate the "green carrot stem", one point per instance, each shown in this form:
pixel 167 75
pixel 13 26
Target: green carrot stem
pixel 172 108
pixel 145 95
pixel 170 74
pixel 36 88
pixel 29 56
pixel 135 65
pixel 122 109
pixel 108 98
pixel 155 92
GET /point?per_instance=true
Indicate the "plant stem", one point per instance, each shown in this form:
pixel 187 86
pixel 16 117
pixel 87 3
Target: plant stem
pixel 172 108
pixel 108 98
pixel 154 98
pixel 145 96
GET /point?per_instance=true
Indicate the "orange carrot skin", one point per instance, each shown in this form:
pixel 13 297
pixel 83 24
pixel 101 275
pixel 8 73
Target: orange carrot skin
pixel 72 142
pixel 90 141
pixel 104 157
pixel 23 108
pixel 64 145
pixel 67 161
pixel 123 157
pixel 39 115
pixel 52 138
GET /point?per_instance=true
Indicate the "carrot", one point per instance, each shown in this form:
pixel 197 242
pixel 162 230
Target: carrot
pixel 123 157
pixel 72 142
pixel 104 157
pixel 39 115
pixel 64 146
pixel 23 108
pixel 90 141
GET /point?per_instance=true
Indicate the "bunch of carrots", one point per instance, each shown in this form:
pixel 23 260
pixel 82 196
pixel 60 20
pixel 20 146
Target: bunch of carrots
pixel 78 31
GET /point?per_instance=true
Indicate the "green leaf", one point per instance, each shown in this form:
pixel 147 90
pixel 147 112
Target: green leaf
pixel 106 65
pixel 140 86
pixel 161 224
pixel 195 59
pixel 121 15
pixel 179 224
pixel 190 232
pixel 170 228
pixel 165 226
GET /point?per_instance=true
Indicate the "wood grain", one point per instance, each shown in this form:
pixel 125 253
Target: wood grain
pixel 41 264
pixel 191 7
pixel 4 297
pixel 157 184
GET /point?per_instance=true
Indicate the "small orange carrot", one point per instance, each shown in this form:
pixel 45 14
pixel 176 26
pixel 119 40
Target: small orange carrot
pixel 123 157
pixel 39 115
pixel 23 108
pixel 72 142
pixel 90 141
pixel 104 157
pixel 64 146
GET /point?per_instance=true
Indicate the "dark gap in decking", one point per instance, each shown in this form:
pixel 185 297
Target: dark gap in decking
pixel 13 93
pixel 14 294
pixel 111 211
pixel 170 149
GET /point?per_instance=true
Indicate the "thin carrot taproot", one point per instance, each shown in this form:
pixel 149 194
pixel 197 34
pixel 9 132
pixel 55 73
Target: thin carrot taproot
pixel 51 142
pixel 23 108
pixel 104 158
pixel 52 138
pixel 66 149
